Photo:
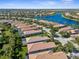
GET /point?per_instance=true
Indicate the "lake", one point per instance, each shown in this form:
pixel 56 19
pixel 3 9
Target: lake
pixel 58 18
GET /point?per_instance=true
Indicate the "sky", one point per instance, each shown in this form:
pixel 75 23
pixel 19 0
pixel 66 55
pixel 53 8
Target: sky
pixel 40 4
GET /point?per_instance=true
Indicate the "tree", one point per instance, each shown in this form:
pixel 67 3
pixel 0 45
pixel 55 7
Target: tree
pixel 58 48
pixel 1 42
pixel 52 32
pixel 68 47
pixel 77 40
pixel 65 34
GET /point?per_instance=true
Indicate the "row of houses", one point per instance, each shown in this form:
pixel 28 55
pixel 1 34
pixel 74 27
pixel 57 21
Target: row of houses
pixel 75 15
pixel 72 31
pixel 28 29
pixel 39 47
pixel 52 23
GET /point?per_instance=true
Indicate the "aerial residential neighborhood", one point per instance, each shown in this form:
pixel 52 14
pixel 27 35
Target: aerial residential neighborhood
pixel 39 29
pixel 52 40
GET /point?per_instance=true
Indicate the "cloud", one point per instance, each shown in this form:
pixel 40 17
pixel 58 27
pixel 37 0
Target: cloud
pixel 48 3
pixel 68 1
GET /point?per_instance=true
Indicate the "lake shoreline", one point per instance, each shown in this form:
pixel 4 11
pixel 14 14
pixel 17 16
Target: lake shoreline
pixel 69 18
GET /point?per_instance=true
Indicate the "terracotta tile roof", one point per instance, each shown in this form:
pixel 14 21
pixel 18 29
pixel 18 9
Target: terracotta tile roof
pixel 57 55
pixel 38 39
pixel 59 25
pixel 47 22
pixel 65 28
pixel 30 28
pixel 53 23
pixel 77 30
pixel 40 46
pixel 25 26
pixel 34 56
pixel 43 21
pixel 74 31
pixel 32 32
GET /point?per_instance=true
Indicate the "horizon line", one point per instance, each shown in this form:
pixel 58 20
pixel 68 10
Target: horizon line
pixel 39 8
